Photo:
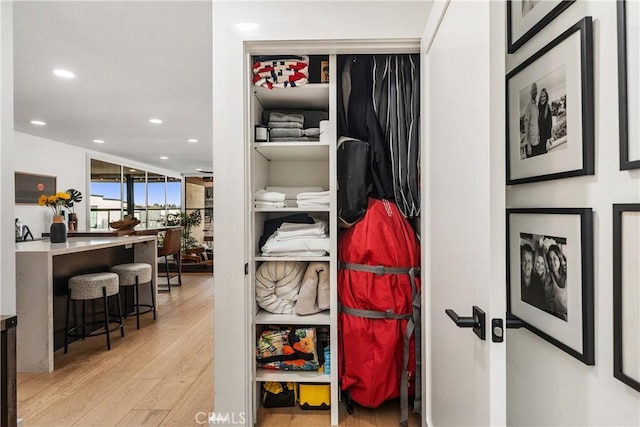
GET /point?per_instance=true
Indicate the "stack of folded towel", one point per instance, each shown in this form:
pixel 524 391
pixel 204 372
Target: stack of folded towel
pixel 313 199
pixel 290 127
pixel 281 71
pixel 298 240
pixel 269 199
pixel 291 193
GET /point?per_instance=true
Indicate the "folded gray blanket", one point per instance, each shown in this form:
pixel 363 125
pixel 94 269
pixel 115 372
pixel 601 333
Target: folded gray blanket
pixel 312 118
pixel 314 290
pixel 293 133
pixel 285 125
pixel 292 139
pixel 283 117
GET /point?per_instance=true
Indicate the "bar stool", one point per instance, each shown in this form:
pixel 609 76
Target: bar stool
pixel 86 287
pixel 135 274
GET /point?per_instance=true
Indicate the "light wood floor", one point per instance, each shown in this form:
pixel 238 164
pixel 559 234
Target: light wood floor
pixel 161 374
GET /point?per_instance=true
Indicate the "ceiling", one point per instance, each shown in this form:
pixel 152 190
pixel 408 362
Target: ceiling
pixel 133 61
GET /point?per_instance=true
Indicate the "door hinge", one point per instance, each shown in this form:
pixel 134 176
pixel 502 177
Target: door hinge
pixel 246 269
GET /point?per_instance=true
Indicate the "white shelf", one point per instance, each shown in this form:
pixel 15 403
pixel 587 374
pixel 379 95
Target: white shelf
pixel 293 258
pixel 312 96
pixel 294 150
pixel 292 376
pixel 276 210
pixel 265 318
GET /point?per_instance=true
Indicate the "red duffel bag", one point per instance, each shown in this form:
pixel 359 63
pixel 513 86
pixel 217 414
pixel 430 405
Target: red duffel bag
pixel 379 308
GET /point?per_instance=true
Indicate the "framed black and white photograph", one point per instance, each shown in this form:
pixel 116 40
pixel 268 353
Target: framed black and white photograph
pixel 550 110
pixel 550 276
pixel 525 18
pixel 626 294
pixel 629 83
pixel 29 187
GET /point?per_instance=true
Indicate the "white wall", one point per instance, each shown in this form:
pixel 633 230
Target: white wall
pixel 70 165
pixel 545 385
pixel 275 21
pixel 46 157
pixel 7 254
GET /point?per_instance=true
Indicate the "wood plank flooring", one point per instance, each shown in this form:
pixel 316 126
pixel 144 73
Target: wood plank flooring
pixel 159 375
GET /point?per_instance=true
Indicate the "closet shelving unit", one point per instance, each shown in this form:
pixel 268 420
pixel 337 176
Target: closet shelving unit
pixel 303 163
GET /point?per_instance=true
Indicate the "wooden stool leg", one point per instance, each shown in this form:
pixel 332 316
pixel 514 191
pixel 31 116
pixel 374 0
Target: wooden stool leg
pixel 106 316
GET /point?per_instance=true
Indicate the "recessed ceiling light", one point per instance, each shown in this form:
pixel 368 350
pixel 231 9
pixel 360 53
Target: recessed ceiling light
pixel 38 122
pixel 199 169
pixel 63 73
pixel 99 141
pixel 132 170
pixel 155 121
pixel 192 140
pixel 164 157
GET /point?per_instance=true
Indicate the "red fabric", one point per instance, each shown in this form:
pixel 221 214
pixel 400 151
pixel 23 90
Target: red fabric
pixel 371 350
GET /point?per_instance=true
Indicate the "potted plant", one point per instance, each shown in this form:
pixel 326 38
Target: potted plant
pixel 74 197
pixel 187 221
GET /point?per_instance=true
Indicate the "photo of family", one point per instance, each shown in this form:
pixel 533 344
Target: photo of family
pixel 543 274
pixel 543 115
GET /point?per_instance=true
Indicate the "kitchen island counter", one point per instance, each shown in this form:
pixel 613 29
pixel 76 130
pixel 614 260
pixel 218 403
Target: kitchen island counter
pixel 42 272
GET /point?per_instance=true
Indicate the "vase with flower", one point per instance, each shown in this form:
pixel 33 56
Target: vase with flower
pixel 58 230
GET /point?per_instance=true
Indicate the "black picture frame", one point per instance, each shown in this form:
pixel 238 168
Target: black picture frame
pixel 29 187
pixel 518 33
pixel 554 309
pixel 626 292
pixel 568 146
pixel 628 82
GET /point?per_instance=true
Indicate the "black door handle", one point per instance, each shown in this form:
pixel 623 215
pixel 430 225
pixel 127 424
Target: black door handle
pixel 477 321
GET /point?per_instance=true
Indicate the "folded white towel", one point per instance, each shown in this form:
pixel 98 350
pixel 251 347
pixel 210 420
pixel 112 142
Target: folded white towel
pixel 269 196
pixel 294 231
pixel 312 204
pixel 295 253
pixel 296 245
pixel 263 204
pixel 292 192
pixel 319 224
pixel 313 195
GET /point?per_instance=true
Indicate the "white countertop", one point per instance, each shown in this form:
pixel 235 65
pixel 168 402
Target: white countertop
pixel 79 244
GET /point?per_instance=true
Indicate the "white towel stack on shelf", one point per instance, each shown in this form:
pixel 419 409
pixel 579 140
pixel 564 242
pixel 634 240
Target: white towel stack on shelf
pixel 298 240
pixel 313 199
pixel 291 193
pixel 269 199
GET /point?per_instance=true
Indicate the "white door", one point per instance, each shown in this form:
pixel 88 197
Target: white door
pixel 464 236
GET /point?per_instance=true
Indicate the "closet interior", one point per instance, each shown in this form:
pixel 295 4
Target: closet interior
pixel 294 228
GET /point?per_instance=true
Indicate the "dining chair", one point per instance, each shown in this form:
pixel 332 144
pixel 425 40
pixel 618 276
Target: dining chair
pixel 171 247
